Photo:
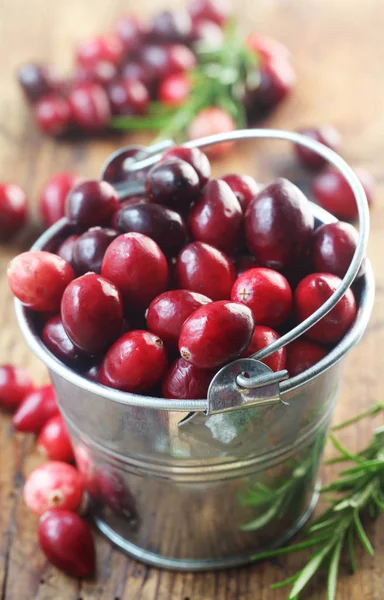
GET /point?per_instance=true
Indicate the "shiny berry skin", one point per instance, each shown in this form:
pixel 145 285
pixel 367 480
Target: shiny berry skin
pixel 244 187
pixel 174 89
pixel 325 134
pixel 333 193
pixel 165 226
pixel 185 381
pixel 303 354
pixel 90 247
pixel 57 341
pixel 53 195
pixel 137 266
pixel 267 49
pixel 128 97
pixel 53 114
pixel 54 441
pixel 173 182
pixel 135 363
pixel 114 171
pixel 264 336
pixel 210 121
pixel 130 31
pixel 278 225
pixel 267 293
pixel 92 313
pixel 193 156
pixel 245 263
pixel 217 218
pixel 15 385
pixel 37 81
pixel 132 200
pixel 217 11
pixel 216 334
pixel 36 409
pixel 67 542
pixel 91 203
pixel 38 279
pixel 13 210
pixel 167 313
pixel 90 107
pixel 65 250
pixel 170 26
pixel 54 484
pixel 92 373
pixel 109 49
pixel 333 247
pixel 310 294
pixel 204 269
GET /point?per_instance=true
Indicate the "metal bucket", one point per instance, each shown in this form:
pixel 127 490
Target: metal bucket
pixel 204 484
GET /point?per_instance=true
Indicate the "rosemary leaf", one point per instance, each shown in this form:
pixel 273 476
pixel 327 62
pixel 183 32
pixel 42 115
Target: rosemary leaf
pixel 362 535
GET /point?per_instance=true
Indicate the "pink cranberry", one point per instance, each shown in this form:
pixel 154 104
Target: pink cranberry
pixel 89 249
pixel 90 107
pixel 245 263
pixel 266 48
pixel 15 385
pixel 174 89
pixel 170 26
pixel 37 81
pixel 217 11
pixel 108 49
pixel 302 355
pixel 125 365
pixel 128 97
pixel 57 341
pixel 325 134
pixel 262 337
pixel 333 247
pixel 54 484
pixel 65 250
pixel 130 31
pixel 67 542
pixel 244 187
pixel 216 333
pixel 13 210
pixel 193 156
pixel 36 409
pixel 53 195
pixel 54 441
pixel 53 114
pixel 210 121
pixel 172 182
pixel 38 279
pixel 91 203
pixel 185 381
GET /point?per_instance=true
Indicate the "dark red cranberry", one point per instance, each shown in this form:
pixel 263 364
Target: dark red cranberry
pixel 325 134
pixel 90 106
pixel 245 263
pixel 65 250
pixel 244 187
pixel 217 11
pixel 137 266
pixel 276 79
pixel 185 381
pixel 109 49
pixel 130 31
pixel 173 182
pixel 57 341
pixel 210 121
pixel 193 156
pixel 333 247
pixel 137 71
pixel 267 293
pixel 53 196
pixel 114 172
pixel 102 73
pixel 37 81
pixel 302 355
pixel 278 225
pixel 54 441
pixel 53 114
pixel 135 363
pixel 167 313
pixel 89 249
pixel 267 49
pixel 132 200
pixel 92 313
pixel 204 269
pixel 174 89
pixel 91 203
pixel 15 385
pixel 217 218
pixel 128 97
pixel 170 26
pixel 262 337
pixel 36 409
pixel 310 294
pixel 165 60
pixel 92 373
pixel 207 34
pixel 216 333
pixel 13 210
pixel 333 193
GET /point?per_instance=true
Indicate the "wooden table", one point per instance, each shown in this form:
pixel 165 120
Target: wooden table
pixel 337 48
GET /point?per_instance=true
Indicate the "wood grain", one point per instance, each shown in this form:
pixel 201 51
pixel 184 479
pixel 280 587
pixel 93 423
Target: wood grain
pixel 337 48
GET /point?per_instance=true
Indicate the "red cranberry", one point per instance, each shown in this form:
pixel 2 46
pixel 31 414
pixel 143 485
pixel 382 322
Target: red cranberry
pixel 13 210
pixel 170 26
pixel 174 89
pixel 87 471
pixel 54 484
pixel 165 60
pixel 90 106
pixel 217 218
pixel 217 11
pixel 91 203
pixel 53 195
pixel 210 121
pixel 276 79
pixel 102 73
pixel 185 381
pixel 216 333
pixel 37 81
pixel 130 32
pixel 303 354
pixel 310 294
pixel 278 225
pixel 180 59
pixel 135 363
pixel 65 250
pixel 267 293
pixel 128 97
pixel 204 269
pixel 132 200
pixel 67 542
pixel 54 441
pixel 108 49
pixel 57 341
pixel 36 409
pixel 193 156
pixel 173 182
pixel 167 313
pixel 266 48
pixel 38 279
pixel 92 313
pixel 114 172
pixel 15 385
pixel 333 193
pixel 325 134
pixel 89 249
pixel 53 114
pixel 245 263
pixel 244 187
pixel 137 71
pixel 207 34
pixel 333 246
pixel 262 337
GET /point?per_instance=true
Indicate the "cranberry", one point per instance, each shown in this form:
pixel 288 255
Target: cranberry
pixel 89 249
pixel 174 89
pixel 15 385
pixel 303 354
pixel 204 269
pixel 310 294
pixel 275 81
pixel 267 293
pixel 53 195
pixel 164 226
pixel 116 494
pixel 57 341
pixel 193 156
pixel 87 471
pixel 135 363
pixel 108 49
pixel 13 210
pixel 207 34
pixel 333 246
pixel 36 409
pixel 162 61
pixel 130 32
pixel 138 71
pixel 217 11
pixel 90 106
pixel 217 218
pixel 92 373
pixel 92 313
pixel 245 263
pixel 67 542
pixel 102 73
pixel 266 48
pixel 53 114
pixel 185 381
pixel 114 172
pixel 91 203
pixel 37 81
pixel 132 200
pixel 325 134
pixel 167 313
pixel 244 187
pixel 210 121
pixel 262 337
pixel 173 182
pixel 54 484
pixel 278 225
pixel 333 193
pixel 128 97
pixel 180 59
pixel 54 441
pixel 65 250
pixel 38 279
pixel 170 26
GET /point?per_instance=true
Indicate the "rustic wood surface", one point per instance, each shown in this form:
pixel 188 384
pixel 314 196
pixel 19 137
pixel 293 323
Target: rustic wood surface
pixel 337 47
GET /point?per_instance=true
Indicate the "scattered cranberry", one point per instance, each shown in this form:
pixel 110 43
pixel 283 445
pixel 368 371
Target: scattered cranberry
pixel 135 363
pixel 54 484
pixel 310 294
pixel 130 32
pixel 36 409
pixel 90 106
pixel 170 26
pixel 245 263
pixel 15 385
pixel 244 187
pixel 91 203
pixel 173 182
pixel 67 542
pixel 303 354
pixel 325 134
pixel 275 81
pixel 162 61
pixel 207 34
pixel 57 341
pixel 333 247
pixel 193 156
pixel 217 11
pixel 37 81
pixel 174 89
pixel 89 249
pixel 185 381
pixel 38 279
pixel 267 48
pixel 262 337
pixel 109 49
pixel 53 195
pixel 54 441
pixel 13 210
pixel 65 250
pixel 210 121
pixel 128 97
pixel 53 114
pixel 216 333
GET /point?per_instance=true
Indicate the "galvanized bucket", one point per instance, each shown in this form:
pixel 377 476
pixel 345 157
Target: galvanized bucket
pixel 202 484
